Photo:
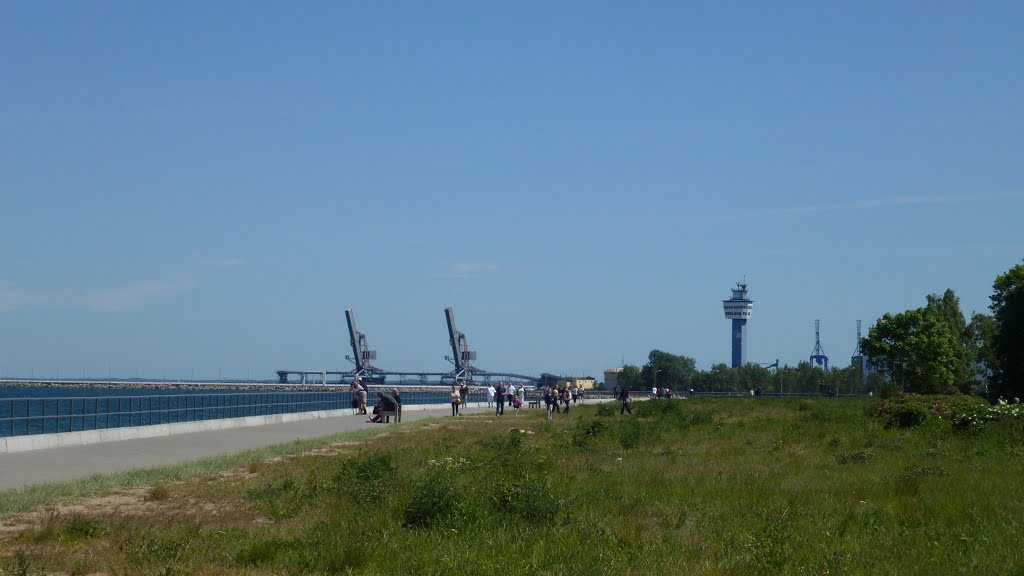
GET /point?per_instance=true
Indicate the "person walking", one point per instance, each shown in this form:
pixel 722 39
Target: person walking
pixel 464 393
pixel 490 395
pixel 456 400
pixel 624 398
pixel 549 400
pixel 499 404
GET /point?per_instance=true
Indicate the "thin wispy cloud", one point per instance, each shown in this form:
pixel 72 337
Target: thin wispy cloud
pixel 133 295
pixel 11 298
pixel 897 201
pixel 467 270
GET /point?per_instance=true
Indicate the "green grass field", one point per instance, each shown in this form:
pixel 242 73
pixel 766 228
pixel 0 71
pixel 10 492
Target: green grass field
pixel 715 486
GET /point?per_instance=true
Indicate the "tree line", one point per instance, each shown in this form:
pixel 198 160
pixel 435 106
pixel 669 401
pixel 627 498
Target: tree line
pixel 933 349
pixel 680 373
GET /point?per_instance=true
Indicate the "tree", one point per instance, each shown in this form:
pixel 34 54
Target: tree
pixel 719 378
pixel 983 329
pixel 630 377
pixel 805 378
pixel 677 372
pixel 927 350
pixel 752 376
pixel 1008 340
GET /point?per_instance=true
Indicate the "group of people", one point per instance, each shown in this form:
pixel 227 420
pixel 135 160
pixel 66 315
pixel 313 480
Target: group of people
pixel 385 402
pixel 556 397
pixel 503 394
pixel 663 392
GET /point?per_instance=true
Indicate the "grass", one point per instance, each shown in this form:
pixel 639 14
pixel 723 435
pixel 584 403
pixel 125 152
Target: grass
pixel 14 502
pixel 710 486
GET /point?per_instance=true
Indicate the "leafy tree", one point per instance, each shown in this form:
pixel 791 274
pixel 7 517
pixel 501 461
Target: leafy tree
pixel 719 378
pixel 927 350
pixel 983 330
pixel 751 376
pixel 630 377
pixel 676 372
pixel 1008 340
pixel 805 378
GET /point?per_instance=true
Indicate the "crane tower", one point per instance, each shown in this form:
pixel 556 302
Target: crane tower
pixel 738 309
pixel 818 354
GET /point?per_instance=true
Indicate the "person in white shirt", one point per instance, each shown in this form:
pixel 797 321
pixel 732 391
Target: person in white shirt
pixel 490 395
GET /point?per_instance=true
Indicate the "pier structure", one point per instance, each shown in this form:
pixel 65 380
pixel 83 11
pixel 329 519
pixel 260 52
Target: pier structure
pixel 367 372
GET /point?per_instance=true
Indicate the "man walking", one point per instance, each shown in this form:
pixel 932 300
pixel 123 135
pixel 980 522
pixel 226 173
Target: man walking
pixel 499 401
pixel 624 398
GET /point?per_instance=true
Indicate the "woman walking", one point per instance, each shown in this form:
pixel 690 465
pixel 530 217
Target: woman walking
pixel 456 400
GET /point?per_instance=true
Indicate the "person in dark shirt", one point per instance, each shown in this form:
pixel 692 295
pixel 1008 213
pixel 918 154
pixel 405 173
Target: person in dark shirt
pixel 499 406
pixel 624 398
pixel 385 403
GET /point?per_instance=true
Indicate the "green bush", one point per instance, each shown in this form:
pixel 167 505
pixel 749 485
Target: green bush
pixel 436 501
pixel 282 499
pixel 910 410
pixel 366 478
pixel 80 528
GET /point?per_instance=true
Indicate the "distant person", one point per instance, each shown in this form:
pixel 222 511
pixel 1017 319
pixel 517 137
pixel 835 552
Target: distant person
pixel 385 403
pixel 397 395
pixel 464 394
pixel 499 400
pixel 360 391
pixel 521 395
pixel 490 395
pixel 456 400
pixel 654 392
pixel 624 398
pixel 550 402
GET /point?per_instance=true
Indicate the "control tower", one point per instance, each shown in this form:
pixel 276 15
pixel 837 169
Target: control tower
pixel 738 309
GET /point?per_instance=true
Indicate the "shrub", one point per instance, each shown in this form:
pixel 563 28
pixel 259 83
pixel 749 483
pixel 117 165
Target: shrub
pixel 435 501
pixel 158 493
pixel 587 431
pixel 366 478
pixel 80 528
pixel 910 410
pixel 281 499
pixel 978 418
pixel 905 415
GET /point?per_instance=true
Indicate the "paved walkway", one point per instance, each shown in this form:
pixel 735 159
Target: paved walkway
pixel 60 464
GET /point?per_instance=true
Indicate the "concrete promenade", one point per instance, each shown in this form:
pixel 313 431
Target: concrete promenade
pixel 21 469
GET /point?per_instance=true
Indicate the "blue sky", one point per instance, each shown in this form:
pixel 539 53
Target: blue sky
pixel 206 187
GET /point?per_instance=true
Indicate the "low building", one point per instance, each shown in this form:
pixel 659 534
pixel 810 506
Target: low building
pixel 585 382
pixel 611 378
